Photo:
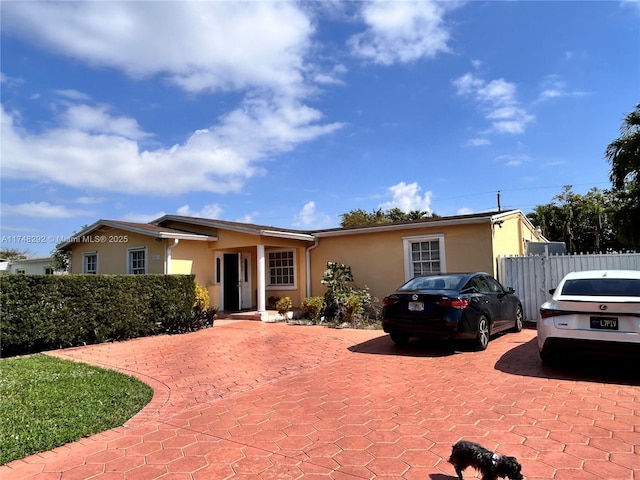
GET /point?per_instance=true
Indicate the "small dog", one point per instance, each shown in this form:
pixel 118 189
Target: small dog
pixel 468 454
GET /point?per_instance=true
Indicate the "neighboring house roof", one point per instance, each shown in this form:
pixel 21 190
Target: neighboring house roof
pixel 31 260
pixel 141 228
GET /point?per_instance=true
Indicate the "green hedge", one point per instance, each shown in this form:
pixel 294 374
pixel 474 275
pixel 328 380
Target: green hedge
pixel 44 312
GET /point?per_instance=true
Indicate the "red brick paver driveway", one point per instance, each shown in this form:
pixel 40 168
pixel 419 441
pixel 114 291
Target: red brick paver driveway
pixel 247 400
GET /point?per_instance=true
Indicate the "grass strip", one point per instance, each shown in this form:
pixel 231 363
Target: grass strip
pixel 46 402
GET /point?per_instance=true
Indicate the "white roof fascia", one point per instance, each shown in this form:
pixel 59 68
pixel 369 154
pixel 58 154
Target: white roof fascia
pixel 291 235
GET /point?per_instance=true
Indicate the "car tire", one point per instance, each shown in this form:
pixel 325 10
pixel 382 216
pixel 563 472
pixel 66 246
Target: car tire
pixel 399 338
pixel 519 319
pixel 548 357
pixel 482 333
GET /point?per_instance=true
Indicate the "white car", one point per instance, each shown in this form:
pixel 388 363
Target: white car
pixel 592 311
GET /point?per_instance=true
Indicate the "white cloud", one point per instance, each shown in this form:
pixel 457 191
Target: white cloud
pixel 93 150
pixel 42 210
pixel 72 94
pixel 142 217
pixel 212 210
pixel 406 197
pixel 198 46
pixel 553 87
pixel 308 217
pixel 513 160
pixel 498 99
pixel 247 217
pixel 402 32
pixel 88 200
pixel 89 119
pixel 465 211
pixel 478 142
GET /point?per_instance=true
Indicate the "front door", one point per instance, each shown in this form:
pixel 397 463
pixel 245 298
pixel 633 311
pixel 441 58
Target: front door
pixel 231 283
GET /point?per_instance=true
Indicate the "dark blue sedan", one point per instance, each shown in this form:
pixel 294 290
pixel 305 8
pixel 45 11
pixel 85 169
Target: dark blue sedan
pixel 460 306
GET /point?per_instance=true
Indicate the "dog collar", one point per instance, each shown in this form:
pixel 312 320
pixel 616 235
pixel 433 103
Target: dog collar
pixel 495 459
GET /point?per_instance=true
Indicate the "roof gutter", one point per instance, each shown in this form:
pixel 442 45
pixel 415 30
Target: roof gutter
pixel 167 268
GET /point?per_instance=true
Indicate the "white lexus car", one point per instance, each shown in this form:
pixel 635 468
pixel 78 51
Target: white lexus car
pixel 590 312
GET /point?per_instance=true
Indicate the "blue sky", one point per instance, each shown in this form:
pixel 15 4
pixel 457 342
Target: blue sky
pixel 290 114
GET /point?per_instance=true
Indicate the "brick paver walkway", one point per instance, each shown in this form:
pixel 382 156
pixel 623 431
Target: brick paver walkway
pixel 248 400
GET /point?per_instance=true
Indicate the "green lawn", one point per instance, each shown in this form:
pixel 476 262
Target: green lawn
pixel 46 402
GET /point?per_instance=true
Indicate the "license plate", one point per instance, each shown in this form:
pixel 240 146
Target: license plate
pixel 416 306
pixel 604 323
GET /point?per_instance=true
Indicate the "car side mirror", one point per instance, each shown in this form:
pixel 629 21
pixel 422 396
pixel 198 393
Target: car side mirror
pixel 511 290
pixel 552 291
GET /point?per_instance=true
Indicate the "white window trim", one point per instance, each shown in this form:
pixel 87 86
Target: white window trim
pixel 406 245
pixel 146 259
pixel 268 270
pixel 84 263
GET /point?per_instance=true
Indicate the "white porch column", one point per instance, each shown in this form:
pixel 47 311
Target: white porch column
pixel 262 304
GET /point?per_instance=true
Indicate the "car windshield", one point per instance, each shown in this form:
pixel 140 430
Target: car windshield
pixel 608 287
pixel 437 282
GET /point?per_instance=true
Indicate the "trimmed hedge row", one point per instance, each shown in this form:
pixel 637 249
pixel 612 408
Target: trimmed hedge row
pixel 44 312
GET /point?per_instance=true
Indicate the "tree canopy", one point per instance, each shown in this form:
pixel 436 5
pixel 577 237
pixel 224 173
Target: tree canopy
pixel 13 254
pixel 624 155
pixel 583 222
pixel 360 218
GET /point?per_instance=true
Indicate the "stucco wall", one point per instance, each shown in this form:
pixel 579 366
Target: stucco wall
pixel 377 259
pixel 510 237
pixel 112 246
pixel 297 294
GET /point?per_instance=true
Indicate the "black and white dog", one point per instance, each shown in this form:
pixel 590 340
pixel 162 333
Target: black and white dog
pixel 468 454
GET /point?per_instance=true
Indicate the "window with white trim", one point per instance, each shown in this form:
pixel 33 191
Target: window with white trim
pixel 424 255
pixel 281 268
pixel 137 261
pixel 90 263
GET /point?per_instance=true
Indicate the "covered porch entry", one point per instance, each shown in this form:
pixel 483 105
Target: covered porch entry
pixel 247 277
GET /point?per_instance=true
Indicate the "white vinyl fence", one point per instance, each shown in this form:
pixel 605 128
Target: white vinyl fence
pixel 533 276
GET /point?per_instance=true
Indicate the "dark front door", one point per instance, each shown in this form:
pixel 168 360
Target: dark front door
pixel 231 290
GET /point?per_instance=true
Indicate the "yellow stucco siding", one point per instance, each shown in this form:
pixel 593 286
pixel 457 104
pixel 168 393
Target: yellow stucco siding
pixel 377 259
pixel 468 248
pixel 511 236
pixel 193 257
pixel 296 294
pixel 112 246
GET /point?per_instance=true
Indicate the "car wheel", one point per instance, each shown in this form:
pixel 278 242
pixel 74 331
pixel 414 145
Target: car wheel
pixel 519 318
pixel 399 338
pixel 482 333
